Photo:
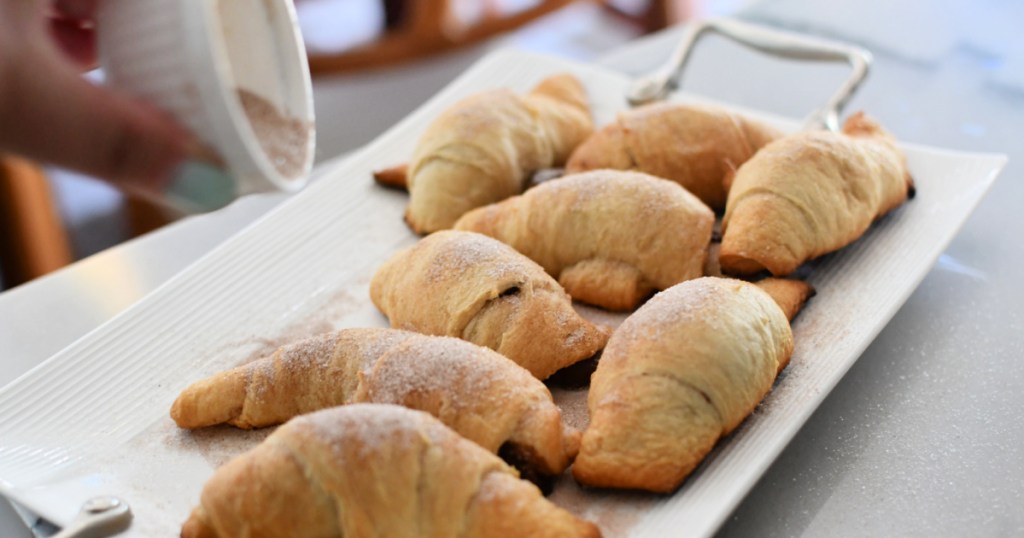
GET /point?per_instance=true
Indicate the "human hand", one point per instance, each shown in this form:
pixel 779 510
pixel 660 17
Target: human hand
pixel 49 113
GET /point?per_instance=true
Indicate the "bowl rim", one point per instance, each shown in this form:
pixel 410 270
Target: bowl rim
pixel 211 70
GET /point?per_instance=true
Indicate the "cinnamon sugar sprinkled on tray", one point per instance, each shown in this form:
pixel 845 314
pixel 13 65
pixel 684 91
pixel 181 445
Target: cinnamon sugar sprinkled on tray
pixel 615 512
pixel 573 404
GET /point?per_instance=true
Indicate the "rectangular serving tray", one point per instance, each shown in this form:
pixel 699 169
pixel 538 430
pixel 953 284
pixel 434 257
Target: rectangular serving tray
pixel 93 419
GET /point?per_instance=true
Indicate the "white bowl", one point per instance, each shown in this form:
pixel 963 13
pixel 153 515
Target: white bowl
pixel 191 58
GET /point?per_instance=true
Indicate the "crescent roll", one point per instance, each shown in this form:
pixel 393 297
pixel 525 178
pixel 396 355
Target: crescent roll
pixel 485 148
pixel 373 470
pixel 473 287
pixel 693 145
pixel 681 372
pixel 610 237
pixel 480 394
pixel 809 194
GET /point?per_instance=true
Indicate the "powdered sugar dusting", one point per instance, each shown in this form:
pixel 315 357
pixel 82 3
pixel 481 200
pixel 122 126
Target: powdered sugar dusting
pixel 157 470
pixel 441 364
pixel 322 316
pixel 573 405
pixel 575 337
pixel 374 343
pixel 456 253
pixel 371 427
pixel 678 305
pixel 219 444
pixel 312 353
pixel 650 195
pixel 585 188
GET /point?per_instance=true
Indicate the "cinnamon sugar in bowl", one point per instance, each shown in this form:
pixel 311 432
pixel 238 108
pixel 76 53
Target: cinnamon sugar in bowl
pixel 234 73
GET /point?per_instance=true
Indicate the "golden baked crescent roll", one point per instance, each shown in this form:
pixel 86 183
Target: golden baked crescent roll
pixel 485 148
pixel 473 287
pixel 684 370
pixel 373 470
pixel 314 373
pixel 480 394
pixel 809 194
pixel 693 145
pixel 610 237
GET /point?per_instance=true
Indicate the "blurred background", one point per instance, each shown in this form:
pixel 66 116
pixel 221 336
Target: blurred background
pixel 374 61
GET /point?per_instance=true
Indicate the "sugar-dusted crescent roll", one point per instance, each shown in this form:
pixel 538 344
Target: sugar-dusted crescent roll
pixel 485 148
pixel 480 394
pixel 373 470
pixel 314 373
pixel 809 194
pixel 693 145
pixel 681 372
pixel 610 237
pixel 473 287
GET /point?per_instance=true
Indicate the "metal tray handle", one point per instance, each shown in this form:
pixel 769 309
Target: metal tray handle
pixel 657 85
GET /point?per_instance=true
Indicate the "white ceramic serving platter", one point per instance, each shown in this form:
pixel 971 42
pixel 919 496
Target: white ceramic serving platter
pixel 93 419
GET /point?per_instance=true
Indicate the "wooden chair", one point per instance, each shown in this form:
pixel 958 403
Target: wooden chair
pixel 417 28
pixel 33 241
pixel 656 14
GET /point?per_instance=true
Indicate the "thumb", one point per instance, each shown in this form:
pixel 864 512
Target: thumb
pixel 50 113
